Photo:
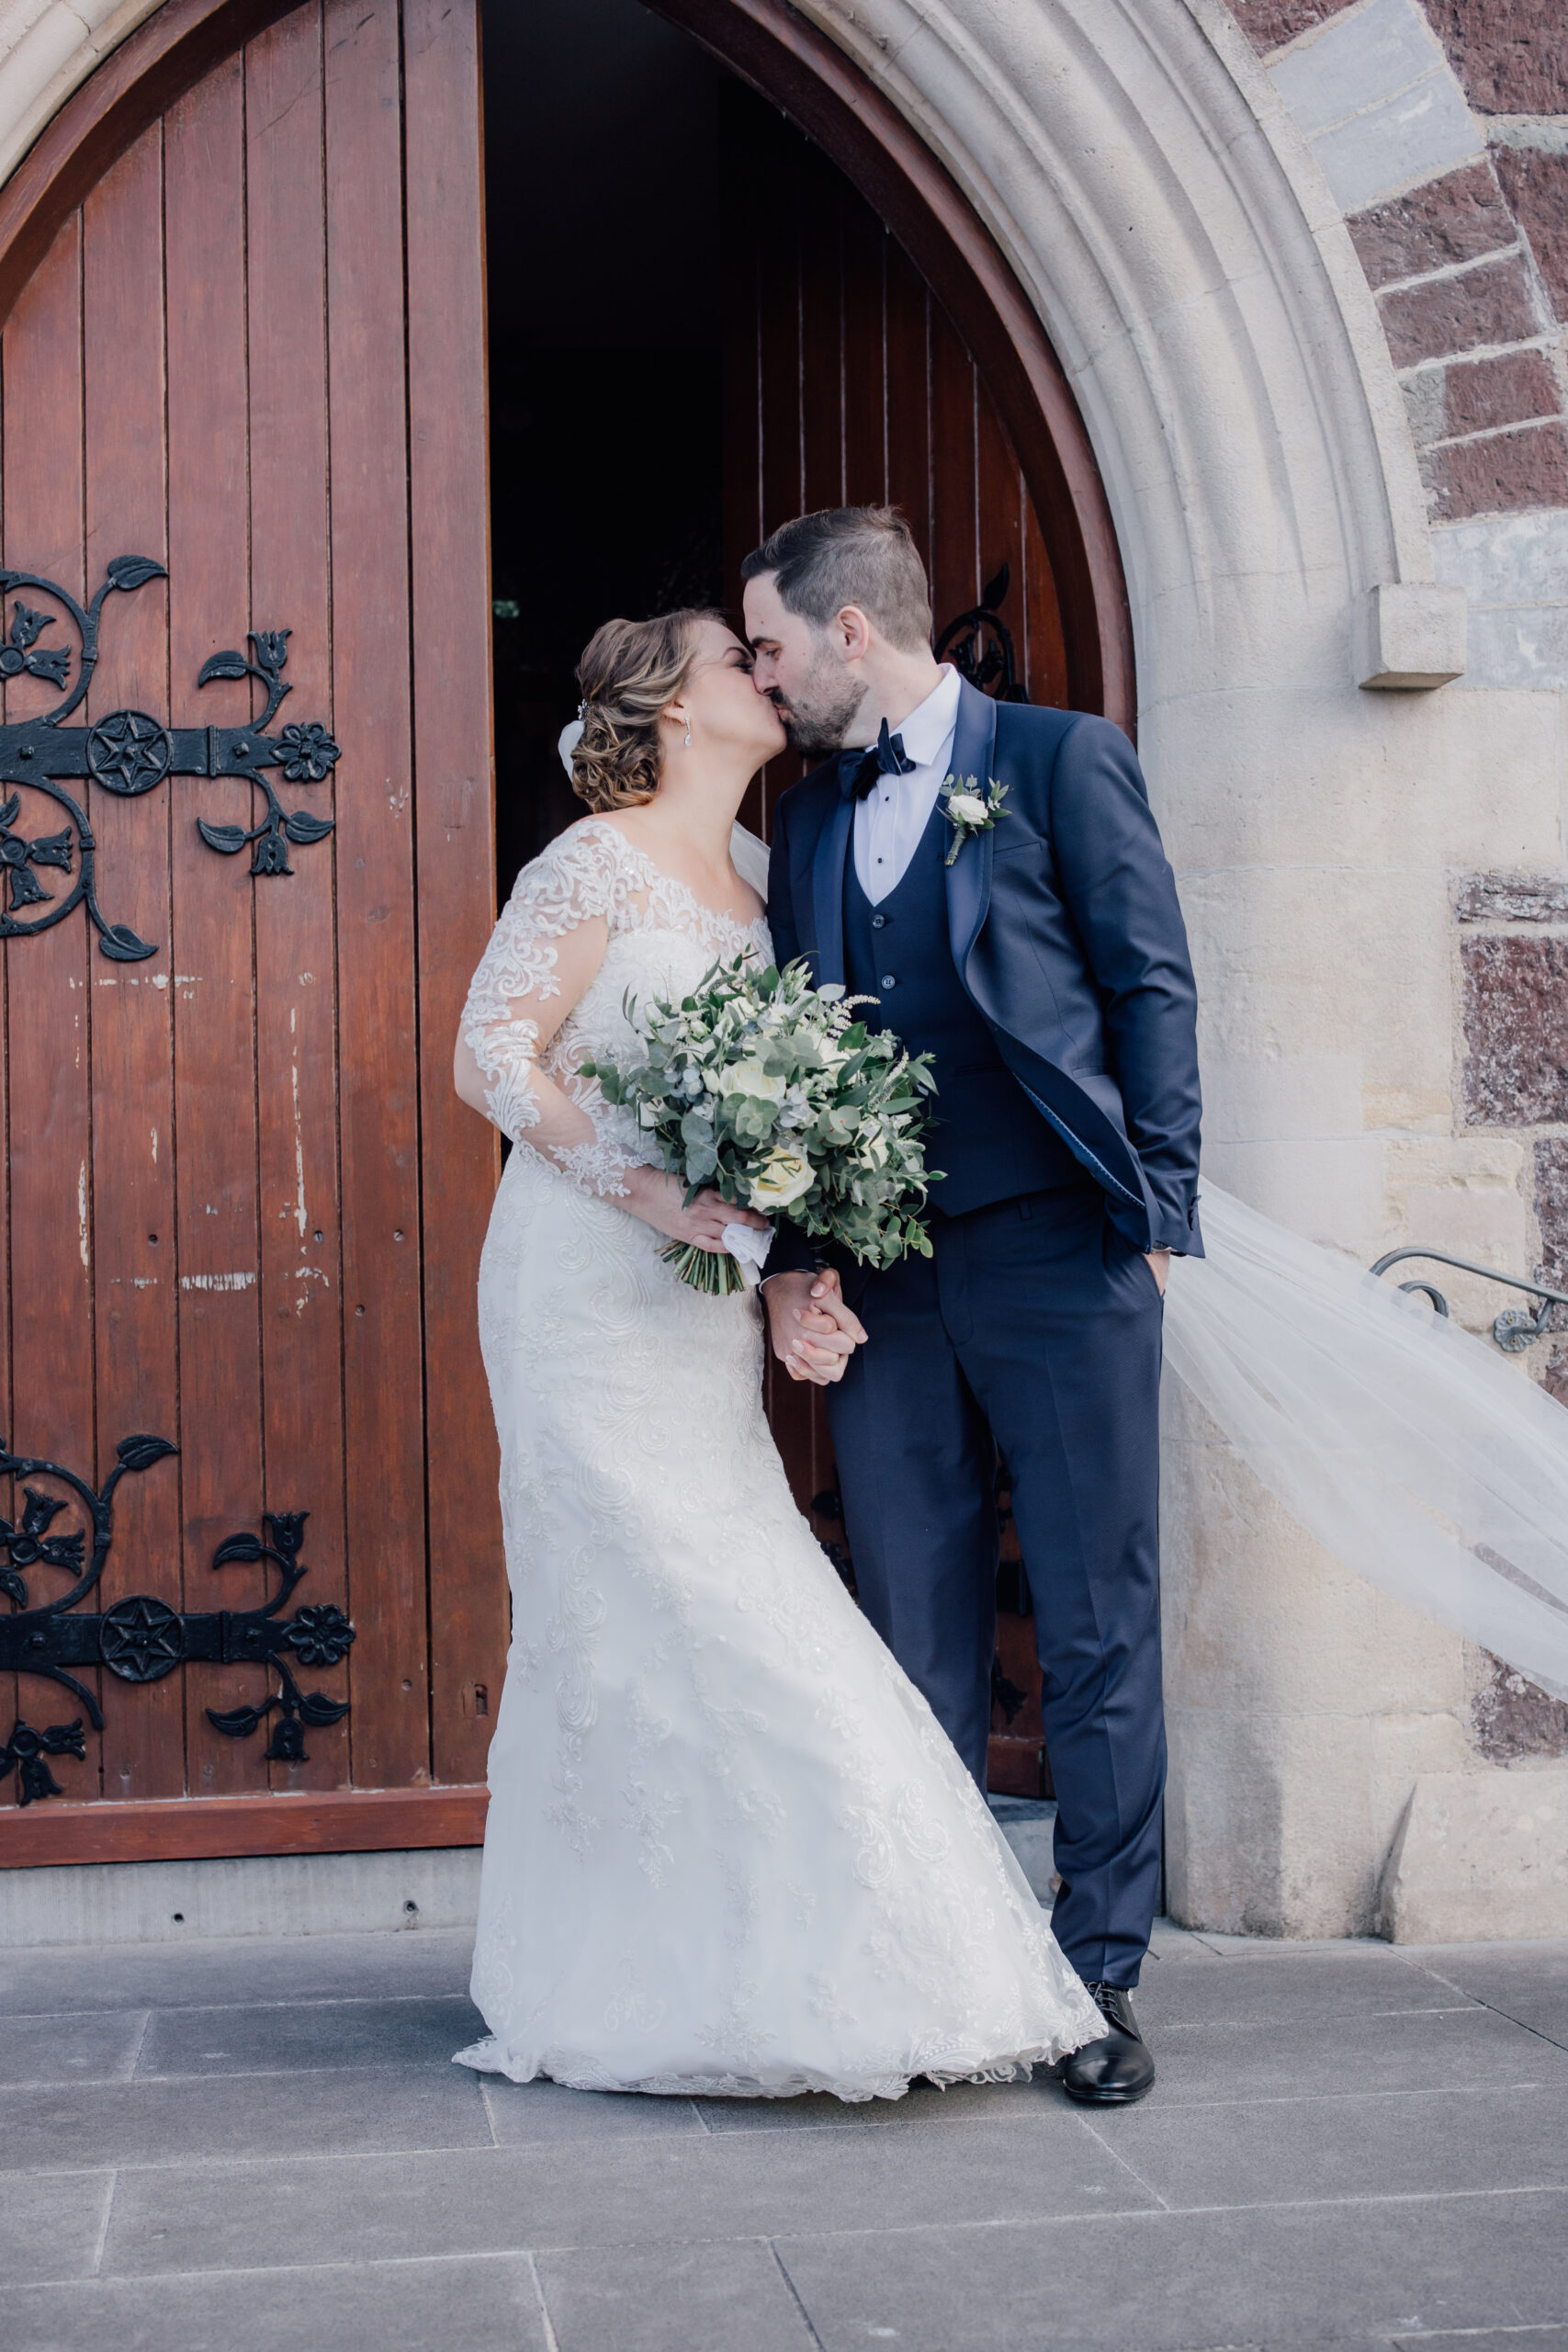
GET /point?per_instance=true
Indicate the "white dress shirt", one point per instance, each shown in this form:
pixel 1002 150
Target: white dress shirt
pixel 897 811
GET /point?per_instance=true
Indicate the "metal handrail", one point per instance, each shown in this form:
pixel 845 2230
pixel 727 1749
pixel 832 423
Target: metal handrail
pixel 1513 1330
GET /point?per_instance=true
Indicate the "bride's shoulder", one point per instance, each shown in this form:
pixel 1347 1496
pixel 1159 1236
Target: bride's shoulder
pixel 590 856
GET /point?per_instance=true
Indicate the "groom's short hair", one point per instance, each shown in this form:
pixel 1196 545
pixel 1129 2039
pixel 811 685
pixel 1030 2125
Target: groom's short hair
pixel 863 556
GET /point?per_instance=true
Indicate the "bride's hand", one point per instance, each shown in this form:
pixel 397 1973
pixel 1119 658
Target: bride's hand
pixel 660 1201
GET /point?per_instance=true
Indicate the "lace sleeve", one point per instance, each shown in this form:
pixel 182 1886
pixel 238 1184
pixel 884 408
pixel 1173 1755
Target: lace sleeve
pixel 542 956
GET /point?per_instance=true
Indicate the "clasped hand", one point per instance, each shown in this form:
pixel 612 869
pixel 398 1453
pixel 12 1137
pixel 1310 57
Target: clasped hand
pixel 814 1333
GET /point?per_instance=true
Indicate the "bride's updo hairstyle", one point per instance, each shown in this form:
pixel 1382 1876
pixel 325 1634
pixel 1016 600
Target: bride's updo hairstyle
pixel 630 673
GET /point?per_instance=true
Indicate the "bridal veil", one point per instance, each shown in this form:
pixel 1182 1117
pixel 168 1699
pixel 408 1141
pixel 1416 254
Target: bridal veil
pixel 1407 1448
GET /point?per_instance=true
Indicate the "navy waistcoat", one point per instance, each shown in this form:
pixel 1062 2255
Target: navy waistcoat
pixel 986 1135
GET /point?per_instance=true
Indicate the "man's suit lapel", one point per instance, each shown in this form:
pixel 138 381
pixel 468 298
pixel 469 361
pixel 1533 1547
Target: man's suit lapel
pixel 828 888
pixel 969 876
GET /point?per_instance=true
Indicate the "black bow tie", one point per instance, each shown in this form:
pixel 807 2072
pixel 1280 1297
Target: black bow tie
pixel 861 770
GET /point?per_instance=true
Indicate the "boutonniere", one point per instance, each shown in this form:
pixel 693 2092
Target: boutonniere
pixel 969 811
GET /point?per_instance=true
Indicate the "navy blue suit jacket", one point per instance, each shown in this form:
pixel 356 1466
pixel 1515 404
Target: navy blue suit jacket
pixel 1067 933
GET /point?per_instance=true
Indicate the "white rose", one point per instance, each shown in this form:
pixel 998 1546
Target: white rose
pixel 750 1078
pixel 968 807
pixel 781 1178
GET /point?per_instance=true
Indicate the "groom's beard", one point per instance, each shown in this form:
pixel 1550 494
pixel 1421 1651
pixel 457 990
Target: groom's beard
pixel 818 716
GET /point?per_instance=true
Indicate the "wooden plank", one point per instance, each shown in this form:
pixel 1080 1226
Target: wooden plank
pixel 300 1264
pixel 220 1420
pixel 778 164
pixel 821 330
pixel 134 1234
pixel 862 247
pixel 740 301
pixel 50 1012
pixel 955 559
pixel 454 809
pixel 1045 646
pixel 907 335
pixel 370 1820
pixel 379 1076
pixel 999 500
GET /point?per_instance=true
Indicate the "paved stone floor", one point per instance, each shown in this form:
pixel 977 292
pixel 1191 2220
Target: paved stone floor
pixel 256 2144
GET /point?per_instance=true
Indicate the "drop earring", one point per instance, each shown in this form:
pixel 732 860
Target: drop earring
pixel 688 734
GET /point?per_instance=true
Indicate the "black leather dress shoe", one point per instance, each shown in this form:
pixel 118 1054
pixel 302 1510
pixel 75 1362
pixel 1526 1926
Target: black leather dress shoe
pixel 1117 2069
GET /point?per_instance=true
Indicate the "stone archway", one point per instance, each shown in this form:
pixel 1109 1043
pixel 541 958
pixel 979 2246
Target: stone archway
pixel 1131 166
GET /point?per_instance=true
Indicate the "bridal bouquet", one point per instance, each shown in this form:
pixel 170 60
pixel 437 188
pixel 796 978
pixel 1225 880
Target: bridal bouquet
pixel 771 1092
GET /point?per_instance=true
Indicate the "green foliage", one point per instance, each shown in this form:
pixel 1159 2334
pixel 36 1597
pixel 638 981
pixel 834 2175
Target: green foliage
pixel 772 1094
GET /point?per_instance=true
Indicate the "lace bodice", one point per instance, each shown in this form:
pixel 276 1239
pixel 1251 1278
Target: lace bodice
pixel 592 926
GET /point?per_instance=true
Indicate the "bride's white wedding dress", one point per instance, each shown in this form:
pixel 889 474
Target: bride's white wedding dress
pixel 730 1850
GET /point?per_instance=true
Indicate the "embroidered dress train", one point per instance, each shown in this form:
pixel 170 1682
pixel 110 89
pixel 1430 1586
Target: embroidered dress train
pixel 730 1850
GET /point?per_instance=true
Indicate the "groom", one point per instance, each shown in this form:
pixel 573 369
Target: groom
pixel 1045 967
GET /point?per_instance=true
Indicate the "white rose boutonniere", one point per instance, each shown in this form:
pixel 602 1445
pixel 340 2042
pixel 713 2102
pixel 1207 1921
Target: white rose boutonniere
pixel 969 811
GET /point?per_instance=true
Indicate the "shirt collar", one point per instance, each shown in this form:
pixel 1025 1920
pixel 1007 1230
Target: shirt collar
pixel 931 723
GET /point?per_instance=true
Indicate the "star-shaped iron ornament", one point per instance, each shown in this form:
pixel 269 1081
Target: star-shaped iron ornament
pixel 142 1638
pixel 128 753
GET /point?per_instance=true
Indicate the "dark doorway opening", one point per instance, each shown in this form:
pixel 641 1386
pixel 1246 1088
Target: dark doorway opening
pixel 698 328
pixel 603 230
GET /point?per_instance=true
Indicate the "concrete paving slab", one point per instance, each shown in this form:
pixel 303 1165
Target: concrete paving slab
pixel 670 2189
pixel 307 2035
pixel 483 2306
pixel 674 2298
pixel 1527 1981
pixel 1488 2339
pixel 545 2115
pixel 51 2227
pixel 962 2103
pixel 1470 2048
pixel 1277 2151
pixel 1300 1986
pixel 60 1979
pixel 92 2047
pixel 280 2115
pixel 1172 2282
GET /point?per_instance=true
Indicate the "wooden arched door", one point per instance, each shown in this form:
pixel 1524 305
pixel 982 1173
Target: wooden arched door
pixel 244 1209
pixel 846 384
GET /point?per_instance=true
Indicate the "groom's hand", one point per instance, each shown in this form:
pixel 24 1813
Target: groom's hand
pixel 1159 1266
pixel 814 1333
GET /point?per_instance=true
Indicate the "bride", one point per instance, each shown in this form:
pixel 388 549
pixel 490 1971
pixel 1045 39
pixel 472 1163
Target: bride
pixel 730 1850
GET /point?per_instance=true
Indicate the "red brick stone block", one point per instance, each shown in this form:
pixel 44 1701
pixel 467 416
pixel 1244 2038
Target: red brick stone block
pixel 1456 218
pixel 1491 303
pixel 1552 1214
pixel 1537 187
pixel 1510 54
pixel 1516 1029
pixel 1268 24
pixel 1502 475
pixel 1479 394
pixel 1513 1718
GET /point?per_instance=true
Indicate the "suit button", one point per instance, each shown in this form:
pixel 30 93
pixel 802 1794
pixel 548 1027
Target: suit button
pixel 887 982
pixel 877 921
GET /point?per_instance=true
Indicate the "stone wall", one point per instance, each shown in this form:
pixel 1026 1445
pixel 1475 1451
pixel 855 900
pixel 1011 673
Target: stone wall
pixel 1441 127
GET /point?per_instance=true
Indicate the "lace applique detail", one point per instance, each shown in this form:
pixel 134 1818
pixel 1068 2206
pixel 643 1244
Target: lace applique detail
pixel 591 872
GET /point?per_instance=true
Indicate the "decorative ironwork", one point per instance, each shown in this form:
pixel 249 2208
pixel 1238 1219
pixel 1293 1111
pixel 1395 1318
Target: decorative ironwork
pixel 25 1751
pixel 979 643
pixel 1514 1330
pixel 142 1638
pixel 128 753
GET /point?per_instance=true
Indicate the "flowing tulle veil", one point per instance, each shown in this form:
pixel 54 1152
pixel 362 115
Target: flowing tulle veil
pixel 1408 1449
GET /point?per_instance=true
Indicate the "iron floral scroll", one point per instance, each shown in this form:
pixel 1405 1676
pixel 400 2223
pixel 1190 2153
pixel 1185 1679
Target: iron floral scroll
pixel 142 1638
pixel 128 753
